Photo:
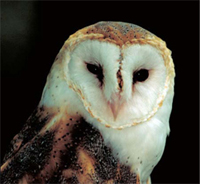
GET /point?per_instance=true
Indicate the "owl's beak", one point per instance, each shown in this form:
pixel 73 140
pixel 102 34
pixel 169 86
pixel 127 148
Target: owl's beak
pixel 115 109
pixel 115 105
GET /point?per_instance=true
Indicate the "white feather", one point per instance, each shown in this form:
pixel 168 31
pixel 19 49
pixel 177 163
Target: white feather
pixel 140 146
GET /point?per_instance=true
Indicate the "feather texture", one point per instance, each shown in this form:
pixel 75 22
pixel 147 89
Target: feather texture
pixel 90 131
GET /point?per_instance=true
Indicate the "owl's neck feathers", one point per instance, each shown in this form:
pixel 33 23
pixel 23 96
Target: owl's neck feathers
pixel 139 147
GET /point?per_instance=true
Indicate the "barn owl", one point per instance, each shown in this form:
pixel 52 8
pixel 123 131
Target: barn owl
pixel 104 112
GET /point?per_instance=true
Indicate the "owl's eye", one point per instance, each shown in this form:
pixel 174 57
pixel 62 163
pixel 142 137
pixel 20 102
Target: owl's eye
pixel 140 75
pixel 96 70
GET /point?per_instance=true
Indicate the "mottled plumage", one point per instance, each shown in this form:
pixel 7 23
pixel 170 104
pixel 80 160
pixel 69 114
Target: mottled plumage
pixel 104 112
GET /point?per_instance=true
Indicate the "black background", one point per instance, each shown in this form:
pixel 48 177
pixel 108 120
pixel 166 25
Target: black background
pixel 33 32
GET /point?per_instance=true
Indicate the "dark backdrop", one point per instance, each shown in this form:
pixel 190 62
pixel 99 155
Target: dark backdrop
pixel 33 33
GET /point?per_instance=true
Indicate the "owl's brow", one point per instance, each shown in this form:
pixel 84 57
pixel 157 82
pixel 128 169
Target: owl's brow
pixel 93 62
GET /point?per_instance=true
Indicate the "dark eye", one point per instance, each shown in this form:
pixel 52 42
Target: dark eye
pixel 96 70
pixel 140 75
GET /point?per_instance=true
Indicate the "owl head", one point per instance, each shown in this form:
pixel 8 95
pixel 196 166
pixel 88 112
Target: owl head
pixel 111 73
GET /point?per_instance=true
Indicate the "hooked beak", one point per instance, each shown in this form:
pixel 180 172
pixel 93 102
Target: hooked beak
pixel 115 105
pixel 115 109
